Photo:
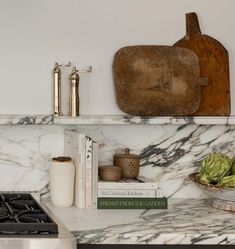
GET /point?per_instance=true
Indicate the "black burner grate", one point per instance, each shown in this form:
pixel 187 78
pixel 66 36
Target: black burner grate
pixel 21 214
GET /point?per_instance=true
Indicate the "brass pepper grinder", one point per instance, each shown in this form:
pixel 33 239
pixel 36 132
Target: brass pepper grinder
pixel 57 88
pixel 74 91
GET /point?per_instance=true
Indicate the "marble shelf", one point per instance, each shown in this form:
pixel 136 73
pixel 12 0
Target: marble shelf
pixel 186 221
pixel 124 120
pixel 113 120
pixel 26 119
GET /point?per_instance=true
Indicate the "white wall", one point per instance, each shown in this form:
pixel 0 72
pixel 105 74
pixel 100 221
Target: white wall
pixel 36 33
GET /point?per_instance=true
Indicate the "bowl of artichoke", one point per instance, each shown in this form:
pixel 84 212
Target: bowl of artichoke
pixel 217 179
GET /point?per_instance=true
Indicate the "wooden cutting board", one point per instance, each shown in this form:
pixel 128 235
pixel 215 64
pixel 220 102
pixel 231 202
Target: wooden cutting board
pixel 214 64
pixel 157 80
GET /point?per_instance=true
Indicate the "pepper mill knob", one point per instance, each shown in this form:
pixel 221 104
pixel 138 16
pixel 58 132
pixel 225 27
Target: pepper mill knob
pixel 127 151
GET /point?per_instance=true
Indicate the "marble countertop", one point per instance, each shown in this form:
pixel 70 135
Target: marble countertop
pixel 187 221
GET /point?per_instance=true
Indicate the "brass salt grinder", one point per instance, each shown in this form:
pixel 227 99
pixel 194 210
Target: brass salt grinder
pixel 74 91
pixel 57 87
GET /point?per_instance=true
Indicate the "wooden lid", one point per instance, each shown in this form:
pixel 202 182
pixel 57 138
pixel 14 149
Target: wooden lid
pixel 62 159
pixel 127 154
pixel 109 168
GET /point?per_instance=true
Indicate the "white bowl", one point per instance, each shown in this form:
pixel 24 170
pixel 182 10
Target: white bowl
pixel 213 191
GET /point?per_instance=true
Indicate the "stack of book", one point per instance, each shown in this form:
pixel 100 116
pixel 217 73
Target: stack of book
pixel 130 194
pixel 84 152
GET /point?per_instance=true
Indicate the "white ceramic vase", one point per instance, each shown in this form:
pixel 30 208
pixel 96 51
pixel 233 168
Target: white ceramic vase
pixel 62 173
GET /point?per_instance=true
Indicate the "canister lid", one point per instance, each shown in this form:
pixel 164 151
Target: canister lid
pixel 62 159
pixel 127 154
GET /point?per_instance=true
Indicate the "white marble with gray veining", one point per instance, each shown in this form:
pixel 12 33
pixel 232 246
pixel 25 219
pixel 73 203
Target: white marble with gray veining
pixel 169 153
pixel 186 221
pixel 25 153
pixel 134 120
pixel 112 120
pixel 26 119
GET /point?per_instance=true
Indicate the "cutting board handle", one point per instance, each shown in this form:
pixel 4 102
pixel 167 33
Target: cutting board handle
pixel 192 24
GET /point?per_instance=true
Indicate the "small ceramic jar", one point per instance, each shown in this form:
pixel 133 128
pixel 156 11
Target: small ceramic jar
pixel 110 173
pixel 129 163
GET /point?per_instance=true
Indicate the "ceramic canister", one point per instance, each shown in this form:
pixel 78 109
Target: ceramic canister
pixel 110 173
pixel 62 173
pixel 129 164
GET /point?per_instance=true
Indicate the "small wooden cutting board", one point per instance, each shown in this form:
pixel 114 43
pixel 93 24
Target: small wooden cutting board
pixel 214 65
pixel 157 80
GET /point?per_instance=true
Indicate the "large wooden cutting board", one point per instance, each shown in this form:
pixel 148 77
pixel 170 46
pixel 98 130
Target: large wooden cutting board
pixel 157 80
pixel 214 64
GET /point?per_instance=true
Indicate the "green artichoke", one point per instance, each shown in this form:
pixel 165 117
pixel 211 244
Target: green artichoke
pixel 227 181
pixel 214 167
pixel 233 166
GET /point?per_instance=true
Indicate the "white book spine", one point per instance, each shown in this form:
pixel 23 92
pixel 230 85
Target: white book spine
pixel 81 185
pixel 89 153
pixel 128 193
pixel 94 175
pixel 70 149
pixel 125 185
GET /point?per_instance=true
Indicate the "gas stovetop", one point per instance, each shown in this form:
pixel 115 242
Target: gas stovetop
pixel 25 224
pixel 21 214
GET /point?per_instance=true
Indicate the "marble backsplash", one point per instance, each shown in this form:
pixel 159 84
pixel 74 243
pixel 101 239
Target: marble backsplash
pixel 168 152
pixel 25 153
